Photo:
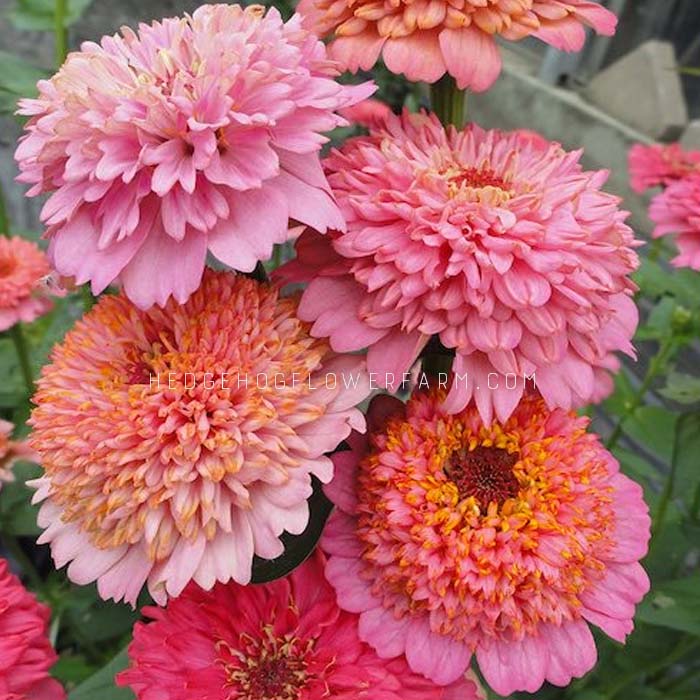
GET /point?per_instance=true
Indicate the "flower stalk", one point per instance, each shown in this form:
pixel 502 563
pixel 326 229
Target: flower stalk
pixel 449 102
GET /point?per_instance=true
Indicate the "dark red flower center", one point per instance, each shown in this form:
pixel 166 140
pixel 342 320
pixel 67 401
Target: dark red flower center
pixel 478 178
pixel 7 266
pixel 486 473
pixel 268 668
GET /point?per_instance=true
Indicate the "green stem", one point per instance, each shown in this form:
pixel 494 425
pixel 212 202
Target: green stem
pixel 656 366
pixel 12 545
pixel 23 356
pixel 277 256
pixel 448 101
pixel 4 218
pixel 88 299
pixel 60 31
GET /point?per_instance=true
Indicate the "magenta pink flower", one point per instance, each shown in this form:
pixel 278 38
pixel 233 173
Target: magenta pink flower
pixel 179 442
pixel 424 39
pixel 504 247
pixel 23 295
pixel 453 538
pixel 286 640
pixel 26 654
pixel 660 164
pixel 194 134
pixel 676 211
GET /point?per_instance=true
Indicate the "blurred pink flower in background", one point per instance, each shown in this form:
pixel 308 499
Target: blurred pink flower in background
pixel 155 472
pixel 452 538
pixel 676 212
pixel 23 296
pixel 194 134
pixel 660 165
pixel 11 451
pixel 281 640
pixel 368 113
pixel 425 39
pixel 26 654
pixel 505 248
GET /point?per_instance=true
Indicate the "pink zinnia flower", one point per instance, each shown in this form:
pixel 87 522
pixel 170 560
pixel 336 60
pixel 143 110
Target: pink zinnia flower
pixel 507 249
pixel 23 296
pixel 368 113
pixel 11 451
pixel 425 39
pixel 179 442
pixel 26 654
pixel 194 134
pixel 455 538
pixel 676 211
pixel 286 640
pixel 660 164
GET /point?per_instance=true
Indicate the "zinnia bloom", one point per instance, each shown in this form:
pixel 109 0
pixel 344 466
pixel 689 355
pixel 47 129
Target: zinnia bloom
pixel 11 451
pixel 423 39
pixel 26 654
pixel 23 297
pixel 286 640
pixel 454 538
pixel 179 442
pixel 676 211
pixel 193 134
pixel 368 113
pixel 504 247
pixel 660 164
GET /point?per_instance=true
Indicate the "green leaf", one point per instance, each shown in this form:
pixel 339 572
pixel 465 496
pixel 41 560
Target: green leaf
pixel 686 458
pixel 297 548
pixel 18 78
pixel 38 15
pixel 652 427
pixel 675 604
pixel 17 514
pixel 682 388
pixel 100 686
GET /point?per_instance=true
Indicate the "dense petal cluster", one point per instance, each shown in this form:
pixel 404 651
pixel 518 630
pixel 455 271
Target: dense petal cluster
pixel 193 134
pixel 660 165
pixel 179 442
pixel 676 212
pixel 454 538
pixel 23 295
pixel 424 39
pixel 500 243
pixel 26 654
pixel 286 640
pixel 11 451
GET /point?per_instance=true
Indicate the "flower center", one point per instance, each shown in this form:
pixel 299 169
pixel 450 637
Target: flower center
pixel 7 266
pixel 477 184
pixel 484 473
pixel 270 668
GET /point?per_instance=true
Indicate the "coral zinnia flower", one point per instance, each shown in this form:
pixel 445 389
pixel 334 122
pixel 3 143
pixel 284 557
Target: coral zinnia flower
pixel 660 164
pixel 194 134
pixel 11 451
pixel 676 211
pixel 423 39
pixel 23 297
pixel 178 442
pixel 286 640
pixel 454 538
pixel 26 654
pixel 504 247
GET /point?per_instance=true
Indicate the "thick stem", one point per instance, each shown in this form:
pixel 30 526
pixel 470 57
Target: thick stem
pixel 60 31
pixel 23 356
pixel 656 366
pixel 448 101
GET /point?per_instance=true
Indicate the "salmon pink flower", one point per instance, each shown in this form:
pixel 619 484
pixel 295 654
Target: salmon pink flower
pixel 11 451
pixel 23 296
pixel 453 538
pixel 26 654
pixel 501 245
pixel 192 134
pixel 179 442
pixel 424 39
pixel 676 211
pixel 660 165
pixel 286 640
pixel 368 113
